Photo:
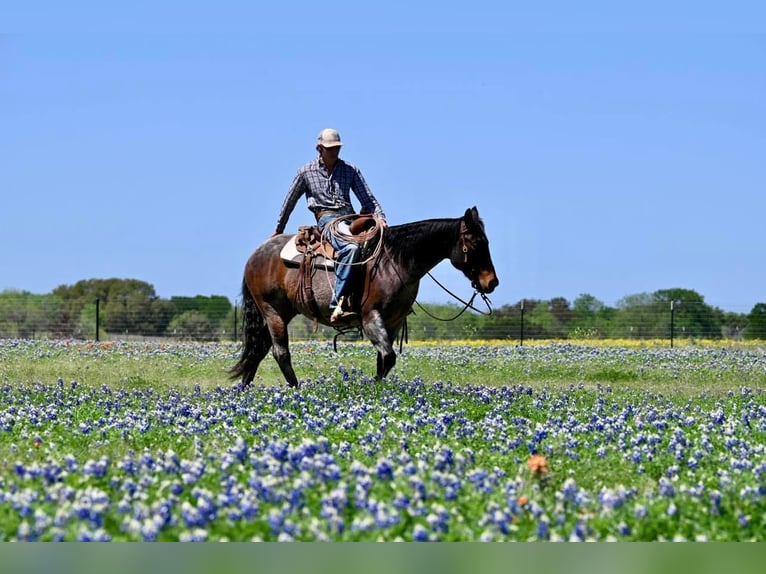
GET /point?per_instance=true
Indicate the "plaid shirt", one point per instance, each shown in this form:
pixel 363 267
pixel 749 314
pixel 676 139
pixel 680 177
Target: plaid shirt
pixel 328 191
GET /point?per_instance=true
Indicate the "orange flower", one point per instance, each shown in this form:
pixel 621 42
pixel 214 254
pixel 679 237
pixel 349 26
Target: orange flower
pixel 523 500
pixel 538 465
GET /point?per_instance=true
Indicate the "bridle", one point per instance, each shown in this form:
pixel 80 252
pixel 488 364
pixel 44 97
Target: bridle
pixel 473 271
pixel 473 274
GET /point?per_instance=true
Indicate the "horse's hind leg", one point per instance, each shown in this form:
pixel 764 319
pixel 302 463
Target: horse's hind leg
pixel 259 350
pixel 281 350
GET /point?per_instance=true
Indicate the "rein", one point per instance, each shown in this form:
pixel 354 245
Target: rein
pixel 466 304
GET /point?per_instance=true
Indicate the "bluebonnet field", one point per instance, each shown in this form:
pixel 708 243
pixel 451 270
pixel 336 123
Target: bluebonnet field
pixel 491 443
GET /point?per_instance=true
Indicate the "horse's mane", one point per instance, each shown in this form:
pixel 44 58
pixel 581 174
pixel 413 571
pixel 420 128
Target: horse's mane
pixel 400 240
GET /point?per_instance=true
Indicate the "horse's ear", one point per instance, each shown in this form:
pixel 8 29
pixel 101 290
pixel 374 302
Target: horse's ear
pixel 471 215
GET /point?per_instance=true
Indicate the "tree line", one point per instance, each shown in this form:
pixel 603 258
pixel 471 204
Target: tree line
pixel 122 308
pixel 126 307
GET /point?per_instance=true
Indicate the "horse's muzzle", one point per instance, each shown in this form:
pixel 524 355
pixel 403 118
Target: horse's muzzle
pixel 486 282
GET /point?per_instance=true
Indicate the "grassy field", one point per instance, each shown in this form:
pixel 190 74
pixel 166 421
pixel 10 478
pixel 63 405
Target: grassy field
pixel 150 441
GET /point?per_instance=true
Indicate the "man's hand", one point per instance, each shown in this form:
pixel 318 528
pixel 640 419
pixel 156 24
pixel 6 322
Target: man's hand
pixel 275 233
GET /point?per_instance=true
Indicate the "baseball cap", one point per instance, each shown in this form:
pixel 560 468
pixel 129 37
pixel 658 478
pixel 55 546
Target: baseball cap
pixel 329 137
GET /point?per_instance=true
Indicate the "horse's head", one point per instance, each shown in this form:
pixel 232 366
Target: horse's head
pixel 471 253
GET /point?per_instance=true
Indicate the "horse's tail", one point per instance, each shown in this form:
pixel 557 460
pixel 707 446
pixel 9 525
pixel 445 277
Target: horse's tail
pixel 256 339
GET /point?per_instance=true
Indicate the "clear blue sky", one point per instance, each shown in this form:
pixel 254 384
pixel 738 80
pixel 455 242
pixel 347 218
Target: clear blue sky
pixel 610 151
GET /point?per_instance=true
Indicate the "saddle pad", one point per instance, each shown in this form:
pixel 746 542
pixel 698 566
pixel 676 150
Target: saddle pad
pixel 292 256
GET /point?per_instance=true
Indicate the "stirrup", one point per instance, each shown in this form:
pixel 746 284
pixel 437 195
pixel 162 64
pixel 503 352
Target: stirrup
pixel 338 314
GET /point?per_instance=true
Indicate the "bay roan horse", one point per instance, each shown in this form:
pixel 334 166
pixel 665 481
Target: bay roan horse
pixel 271 298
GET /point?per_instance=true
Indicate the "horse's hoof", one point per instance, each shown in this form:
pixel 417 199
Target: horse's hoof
pixel 240 386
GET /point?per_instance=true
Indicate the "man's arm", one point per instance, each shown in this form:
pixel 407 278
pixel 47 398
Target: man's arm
pixel 365 196
pixel 295 191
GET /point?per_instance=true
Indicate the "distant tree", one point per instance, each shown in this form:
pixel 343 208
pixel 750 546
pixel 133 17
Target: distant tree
pixel 562 314
pixel 589 318
pixel 692 316
pixel 126 304
pixel 26 315
pixel 733 325
pixel 587 304
pixel 541 321
pixel 636 316
pixel 535 322
pixel 158 317
pixel 756 322
pixel 507 322
pixel 192 326
pixel 215 307
pixel 87 323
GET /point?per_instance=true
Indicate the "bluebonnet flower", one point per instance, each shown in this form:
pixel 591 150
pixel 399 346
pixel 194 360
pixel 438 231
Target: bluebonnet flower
pixel 385 469
pixel 438 519
pixel 579 532
pixel 543 529
pixel 418 488
pixel 666 488
pixel 97 469
pixel 194 535
pixel 420 533
pixel 718 416
pixel 25 533
pixel 671 471
pixel 569 490
pixel 612 499
pixel 444 459
pixel 275 519
pixel 401 501
pixel 191 515
pixel 385 516
pixel 84 534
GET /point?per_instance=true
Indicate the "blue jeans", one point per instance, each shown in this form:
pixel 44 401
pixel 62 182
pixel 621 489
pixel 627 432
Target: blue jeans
pixel 346 254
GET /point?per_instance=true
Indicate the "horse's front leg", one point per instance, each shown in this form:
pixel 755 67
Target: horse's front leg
pixel 375 330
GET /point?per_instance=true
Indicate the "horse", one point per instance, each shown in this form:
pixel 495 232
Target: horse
pixel 272 297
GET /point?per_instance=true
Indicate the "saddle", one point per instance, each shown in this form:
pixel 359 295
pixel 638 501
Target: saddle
pixel 308 244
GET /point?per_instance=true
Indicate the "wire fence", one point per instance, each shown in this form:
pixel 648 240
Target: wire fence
pixel 27 316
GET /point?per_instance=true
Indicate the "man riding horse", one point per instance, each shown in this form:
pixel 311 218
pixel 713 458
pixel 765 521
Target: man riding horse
pixel 327 182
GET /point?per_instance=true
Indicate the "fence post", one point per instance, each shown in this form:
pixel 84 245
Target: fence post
pixel 672 322
pixel 234 331
pixel 98 303
pixel 521 335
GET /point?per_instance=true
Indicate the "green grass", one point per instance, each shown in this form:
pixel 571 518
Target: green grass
pixel 681 371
